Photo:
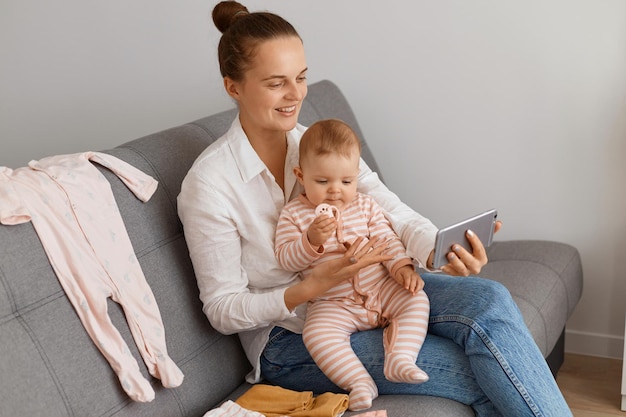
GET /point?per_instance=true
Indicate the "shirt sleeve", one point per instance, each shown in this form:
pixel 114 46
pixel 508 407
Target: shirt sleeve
pixel 416 231
pixel 215 249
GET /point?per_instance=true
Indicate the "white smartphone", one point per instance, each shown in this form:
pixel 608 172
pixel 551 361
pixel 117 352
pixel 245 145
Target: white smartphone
pixel 482 224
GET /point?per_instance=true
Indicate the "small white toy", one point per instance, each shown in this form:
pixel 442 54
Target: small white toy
pixel 326 209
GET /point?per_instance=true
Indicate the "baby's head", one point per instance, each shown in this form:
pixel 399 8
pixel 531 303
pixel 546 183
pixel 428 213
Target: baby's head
pixel 327 137
pixel 330 153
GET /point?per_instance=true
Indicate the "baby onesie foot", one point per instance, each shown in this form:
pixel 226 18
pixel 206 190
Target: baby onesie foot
pixel 361 396
pixel 167 371
pixel 402 368
pixel 137 387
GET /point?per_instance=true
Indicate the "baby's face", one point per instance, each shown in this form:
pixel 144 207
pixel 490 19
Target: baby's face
pixel 331 179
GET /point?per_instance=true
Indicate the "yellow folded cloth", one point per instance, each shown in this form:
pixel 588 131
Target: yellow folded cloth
pixel 273 401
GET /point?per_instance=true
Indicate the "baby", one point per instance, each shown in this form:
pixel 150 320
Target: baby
pixel 318 226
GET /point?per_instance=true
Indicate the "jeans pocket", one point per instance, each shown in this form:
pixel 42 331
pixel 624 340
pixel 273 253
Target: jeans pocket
pixel 272 355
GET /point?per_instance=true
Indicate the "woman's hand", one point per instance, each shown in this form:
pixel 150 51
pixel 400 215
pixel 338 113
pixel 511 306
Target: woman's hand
pixel 464 263
pixel 331 273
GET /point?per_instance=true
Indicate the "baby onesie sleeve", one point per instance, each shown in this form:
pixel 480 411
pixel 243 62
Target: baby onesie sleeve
pixel 292 248
pixel 12 210
pixel 140 183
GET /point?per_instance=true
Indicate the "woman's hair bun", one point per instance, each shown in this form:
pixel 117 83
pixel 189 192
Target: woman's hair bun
pixel 225 12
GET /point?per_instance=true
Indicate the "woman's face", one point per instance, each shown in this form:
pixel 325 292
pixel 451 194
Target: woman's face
pixel 271 94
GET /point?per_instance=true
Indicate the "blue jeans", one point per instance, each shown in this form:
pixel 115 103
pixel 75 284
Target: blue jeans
pixel 478 352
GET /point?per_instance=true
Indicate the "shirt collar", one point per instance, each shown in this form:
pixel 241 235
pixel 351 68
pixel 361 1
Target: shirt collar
pixel 249 163
pixel 247 160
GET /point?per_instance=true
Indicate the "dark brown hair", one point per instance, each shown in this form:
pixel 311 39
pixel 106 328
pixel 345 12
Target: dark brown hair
pixel 329 136
pixel 242 32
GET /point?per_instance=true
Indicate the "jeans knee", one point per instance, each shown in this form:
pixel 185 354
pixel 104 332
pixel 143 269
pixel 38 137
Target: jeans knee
pixel 474 298
pixel 492 289
pixel 496 298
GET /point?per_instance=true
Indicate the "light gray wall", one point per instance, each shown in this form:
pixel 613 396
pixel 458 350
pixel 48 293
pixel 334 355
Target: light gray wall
pixel 518 105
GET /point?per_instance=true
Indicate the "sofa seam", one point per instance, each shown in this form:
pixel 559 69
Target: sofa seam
pixel 180 362
pixel 19 312
pixel 16 312
pixel 541 317
pixel 204 129
pixel 565 268
pixel 9 293
pixel 48 364
pixel 174 392
pixel 115 409
pixel 202 348
pixel 558 272
pixel 158 245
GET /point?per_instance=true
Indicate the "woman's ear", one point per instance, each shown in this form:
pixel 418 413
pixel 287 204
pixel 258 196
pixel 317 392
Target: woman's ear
pixel 231 87
pixel 298 173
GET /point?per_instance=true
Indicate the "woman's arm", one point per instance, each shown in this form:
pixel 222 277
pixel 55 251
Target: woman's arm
pixel 214 246
pixel 416 231
pixel 328 274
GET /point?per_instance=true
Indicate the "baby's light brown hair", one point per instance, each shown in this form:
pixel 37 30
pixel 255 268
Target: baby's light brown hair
pixel 329 136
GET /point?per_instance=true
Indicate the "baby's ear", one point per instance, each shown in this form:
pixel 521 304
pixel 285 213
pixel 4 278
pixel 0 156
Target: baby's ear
pixel 298 173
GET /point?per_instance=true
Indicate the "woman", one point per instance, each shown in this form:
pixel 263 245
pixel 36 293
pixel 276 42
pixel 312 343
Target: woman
pixel 478 350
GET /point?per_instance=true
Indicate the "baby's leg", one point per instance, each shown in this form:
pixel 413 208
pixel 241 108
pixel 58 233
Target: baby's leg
pixel 327 337
pixel 403 337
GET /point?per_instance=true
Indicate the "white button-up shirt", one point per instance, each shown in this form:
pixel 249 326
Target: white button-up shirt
pixel 229 205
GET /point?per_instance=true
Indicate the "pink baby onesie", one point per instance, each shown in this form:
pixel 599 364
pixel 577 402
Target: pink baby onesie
pixel 74 213
pixel 369 300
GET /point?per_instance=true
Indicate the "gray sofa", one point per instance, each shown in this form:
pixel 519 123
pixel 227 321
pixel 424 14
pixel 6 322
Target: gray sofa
pixel 49 366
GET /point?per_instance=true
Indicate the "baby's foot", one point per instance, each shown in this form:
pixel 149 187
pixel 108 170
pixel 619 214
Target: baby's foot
pixel 401 368
pixel 361 396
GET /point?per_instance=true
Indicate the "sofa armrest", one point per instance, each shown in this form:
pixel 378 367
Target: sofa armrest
pixel 545 279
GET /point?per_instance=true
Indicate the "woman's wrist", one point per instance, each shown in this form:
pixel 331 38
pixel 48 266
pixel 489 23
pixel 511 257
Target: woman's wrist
pixel 297 294
pixel 429 261
pixel 306 290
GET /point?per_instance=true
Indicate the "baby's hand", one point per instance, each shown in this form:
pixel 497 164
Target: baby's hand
pixel 321 229
pixel 409 279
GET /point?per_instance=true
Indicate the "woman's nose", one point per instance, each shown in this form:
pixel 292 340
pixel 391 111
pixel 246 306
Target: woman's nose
pixel 294 92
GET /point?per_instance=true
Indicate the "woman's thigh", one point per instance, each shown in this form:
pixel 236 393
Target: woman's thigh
pixel 469 297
